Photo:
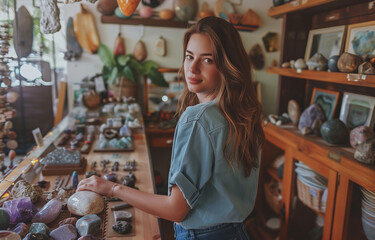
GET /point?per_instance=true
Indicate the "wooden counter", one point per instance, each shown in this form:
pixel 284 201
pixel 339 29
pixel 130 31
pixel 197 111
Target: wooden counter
pixel 146 225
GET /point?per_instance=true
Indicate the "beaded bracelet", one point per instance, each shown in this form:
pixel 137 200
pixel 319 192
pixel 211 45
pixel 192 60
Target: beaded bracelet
pixel 113 187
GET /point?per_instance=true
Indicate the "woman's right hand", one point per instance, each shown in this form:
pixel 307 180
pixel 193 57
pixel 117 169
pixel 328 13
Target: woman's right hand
pixel 96 184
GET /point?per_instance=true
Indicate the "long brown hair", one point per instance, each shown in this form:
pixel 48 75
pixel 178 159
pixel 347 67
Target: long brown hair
pixel 236 97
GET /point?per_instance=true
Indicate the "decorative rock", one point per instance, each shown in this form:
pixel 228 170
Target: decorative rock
pixel 111 177
pixel 71 220
pixel 334 131
pixel 4 219
pixel 36 236
pixel 140 52
pixel 308 117
pixel 349 62
pixel 88 237
pixel 62 156
pixel 300 64
pixel 359 135
pixel 65 193
pixel 64 232
pixel 20 210
pixel 122 227
pixel 365 152
pixel 8 235
pixel 294 111
pixel 366 68
pixel 39 228
pixel 24 189
pixel 21 228
pixel 89 224
pixel 85 202
pixel 332 63
pixel 292 62
pixel 122 216
pixel 317 62
pixel 49 212
pixel 285 65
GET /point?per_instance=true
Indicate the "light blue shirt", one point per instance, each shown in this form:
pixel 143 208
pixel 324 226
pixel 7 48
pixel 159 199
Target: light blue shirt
pixel 216 192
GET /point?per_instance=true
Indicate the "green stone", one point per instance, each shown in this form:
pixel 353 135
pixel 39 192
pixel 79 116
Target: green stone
pixel 39 228
pixel 334 131
pixel 4 219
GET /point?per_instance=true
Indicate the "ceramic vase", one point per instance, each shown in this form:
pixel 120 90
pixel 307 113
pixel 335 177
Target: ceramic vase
pixel 185 10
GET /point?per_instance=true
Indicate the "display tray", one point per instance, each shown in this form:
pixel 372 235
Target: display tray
pixel 110 221
pixel 97 148
pixel 64 169
pixel 65 139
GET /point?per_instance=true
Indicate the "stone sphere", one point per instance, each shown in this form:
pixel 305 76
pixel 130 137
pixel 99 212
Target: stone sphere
pixel 332 63
pixel 334 131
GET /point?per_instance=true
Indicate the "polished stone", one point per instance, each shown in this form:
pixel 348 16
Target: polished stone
pixel 36 236
pixel 21 228
pixel 39 228
pixel 64 232
pixel 71 220
pixel 4 219
pixel 85 202
pixel 9 235
pixel 49 212
pixel 89 224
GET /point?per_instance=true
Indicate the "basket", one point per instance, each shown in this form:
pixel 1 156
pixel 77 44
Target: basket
pixel 125 88
pixel 310 196
pixel 272 194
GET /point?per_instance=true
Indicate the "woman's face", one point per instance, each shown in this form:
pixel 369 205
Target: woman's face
pixel 202 76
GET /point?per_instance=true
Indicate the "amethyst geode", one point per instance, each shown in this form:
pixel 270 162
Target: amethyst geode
pixel 311 119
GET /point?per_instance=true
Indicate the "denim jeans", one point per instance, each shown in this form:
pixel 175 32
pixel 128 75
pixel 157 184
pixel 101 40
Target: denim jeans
pixel 225 231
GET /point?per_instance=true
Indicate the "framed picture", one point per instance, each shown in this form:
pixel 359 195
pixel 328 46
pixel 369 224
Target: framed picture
pixel 327 41
pixel 360 39
pixel 326 99
pixel 357 110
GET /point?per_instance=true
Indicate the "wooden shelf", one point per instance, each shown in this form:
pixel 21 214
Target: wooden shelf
pixel 332 77
pixel 273 173
pixel 143 21
pixel 313 150
pixel 294 6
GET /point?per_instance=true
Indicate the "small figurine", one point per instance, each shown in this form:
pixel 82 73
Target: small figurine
pixel 74 179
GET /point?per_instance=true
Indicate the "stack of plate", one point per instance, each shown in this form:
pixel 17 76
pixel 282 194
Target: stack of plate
pixel 314 180
pixel 368 213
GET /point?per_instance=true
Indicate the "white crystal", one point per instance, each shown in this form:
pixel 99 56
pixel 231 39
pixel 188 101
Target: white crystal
pixel 85 202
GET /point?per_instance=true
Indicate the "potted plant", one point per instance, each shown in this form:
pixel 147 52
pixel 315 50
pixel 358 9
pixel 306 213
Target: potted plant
pixel 123 72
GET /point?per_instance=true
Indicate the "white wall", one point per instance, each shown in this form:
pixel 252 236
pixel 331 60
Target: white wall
pixel 89 64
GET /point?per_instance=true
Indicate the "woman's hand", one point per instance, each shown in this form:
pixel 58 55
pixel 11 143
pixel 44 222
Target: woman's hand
pixel 96 184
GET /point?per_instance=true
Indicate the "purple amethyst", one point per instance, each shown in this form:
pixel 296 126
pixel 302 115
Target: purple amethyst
pixel 64 232
pixel 49 212
pixel 20 210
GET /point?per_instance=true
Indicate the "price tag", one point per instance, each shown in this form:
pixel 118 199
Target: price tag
pixel 38 137
pixel 99 84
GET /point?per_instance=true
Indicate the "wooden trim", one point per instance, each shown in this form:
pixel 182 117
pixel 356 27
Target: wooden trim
pixel 61 102
pixel 147 22
pixel 332 77
pixel 292 7
pixel 330 204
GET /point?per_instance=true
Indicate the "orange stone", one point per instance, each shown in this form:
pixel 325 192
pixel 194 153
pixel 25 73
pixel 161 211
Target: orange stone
pixel 127 7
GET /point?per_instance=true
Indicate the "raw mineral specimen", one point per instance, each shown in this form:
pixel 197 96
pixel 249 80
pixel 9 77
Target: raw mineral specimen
pixel 85 202
pixel 122 216
pixel 62 156
pixel 64 232
pixel 71 220
pixel 309 117
pixel 49 212
pixel 89 224
pixel 365 152
pixel 122 227
pixel 359 135
pixel 20 210
pixel 24 189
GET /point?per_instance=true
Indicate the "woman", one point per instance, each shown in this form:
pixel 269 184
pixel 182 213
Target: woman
pixel 214 169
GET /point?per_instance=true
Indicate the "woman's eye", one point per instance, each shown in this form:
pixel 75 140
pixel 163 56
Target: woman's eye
pixel 189 57
pixel 208 60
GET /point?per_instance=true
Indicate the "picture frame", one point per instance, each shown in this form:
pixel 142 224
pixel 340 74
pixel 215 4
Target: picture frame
pixel 360 38
pixel 327 41
pixel 357 110
pixel 327 100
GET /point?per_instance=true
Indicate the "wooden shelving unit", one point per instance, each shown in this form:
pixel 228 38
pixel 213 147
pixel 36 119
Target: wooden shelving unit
pixel 273 173
pixel 331 77
pixel 295 6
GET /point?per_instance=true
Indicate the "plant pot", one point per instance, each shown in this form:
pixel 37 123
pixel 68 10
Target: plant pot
pixel 125 88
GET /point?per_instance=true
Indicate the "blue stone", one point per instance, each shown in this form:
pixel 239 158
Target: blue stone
pixel 88 224
pixel 39 228
pixel 332 63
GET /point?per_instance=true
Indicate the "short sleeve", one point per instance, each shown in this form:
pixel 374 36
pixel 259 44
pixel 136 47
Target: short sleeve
pixel 192 160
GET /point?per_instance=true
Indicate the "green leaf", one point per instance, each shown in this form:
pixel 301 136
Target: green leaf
pixel 112 77
pixel 128 73
pixel 106 72
pixel 148 65
pixel 106 55
pixel 123 60
pixel 157 78
pixel 136 66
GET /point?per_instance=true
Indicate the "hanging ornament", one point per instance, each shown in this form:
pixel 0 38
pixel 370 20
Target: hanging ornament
pixel 128 6
pixel 119 47
pixel 160 47
pixel 140 52
pixel 74 50
pixel 23 30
